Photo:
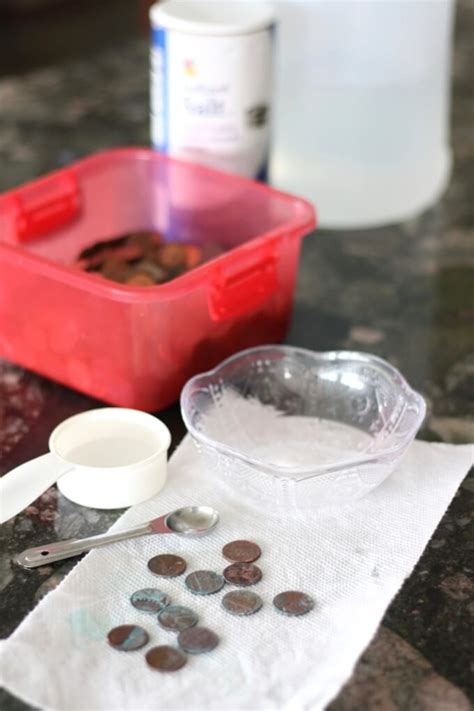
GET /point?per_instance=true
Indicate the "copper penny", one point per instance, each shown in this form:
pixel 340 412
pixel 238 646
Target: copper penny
pixel 242 574
pixel 167 565
pixel 177 618
pixel 197 640
pixel 242 602
pixel 171 255
pixel 140 279
pixel 293 603
pixel 241 552
pixel 149 600
pixel 204 582
pixel 127 638
pixel 165 658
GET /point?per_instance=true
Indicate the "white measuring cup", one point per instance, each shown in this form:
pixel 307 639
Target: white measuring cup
pixel 107 458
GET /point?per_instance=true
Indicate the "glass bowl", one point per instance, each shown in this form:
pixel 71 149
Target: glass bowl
pixel 301 429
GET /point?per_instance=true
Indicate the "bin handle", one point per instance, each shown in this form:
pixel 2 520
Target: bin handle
pixel 236 289
pixel 46 205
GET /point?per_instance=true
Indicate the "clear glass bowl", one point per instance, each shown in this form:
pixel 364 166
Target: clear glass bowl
pixel 301 429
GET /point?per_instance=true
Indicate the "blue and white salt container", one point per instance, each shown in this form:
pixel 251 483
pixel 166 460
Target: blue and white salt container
pixel 211 83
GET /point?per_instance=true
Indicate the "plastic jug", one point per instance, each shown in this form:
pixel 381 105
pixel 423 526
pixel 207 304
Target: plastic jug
pixel 361 123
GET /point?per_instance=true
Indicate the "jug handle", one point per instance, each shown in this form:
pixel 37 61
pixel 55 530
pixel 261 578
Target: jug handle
pixel 22 485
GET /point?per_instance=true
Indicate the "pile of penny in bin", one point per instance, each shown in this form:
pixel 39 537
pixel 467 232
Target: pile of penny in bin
pixel 192 638
pixel 143 258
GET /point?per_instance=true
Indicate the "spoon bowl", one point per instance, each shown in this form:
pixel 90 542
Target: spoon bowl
pixel 192 520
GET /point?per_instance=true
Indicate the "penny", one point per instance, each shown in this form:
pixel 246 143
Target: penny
pixel 241 552
pixel 127 638
pixel 242 602
pixel 143 259
pixel 157 273
pixel 145 240
pixel 177 618
pixel 103 246
pixel 129 252
pixel 165 658
pixel 167 565
pixel 204 582
pixel 197 640
pixel 242 574
pixel 171 255
pixel 150 600
pixel 293 603
pixel 140 279
pixel 115 269
pixel 193 256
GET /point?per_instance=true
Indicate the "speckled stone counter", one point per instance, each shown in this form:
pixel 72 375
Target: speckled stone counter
pixel 404 292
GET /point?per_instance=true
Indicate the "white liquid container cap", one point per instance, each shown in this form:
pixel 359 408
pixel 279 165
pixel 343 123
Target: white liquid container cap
pixel 212 18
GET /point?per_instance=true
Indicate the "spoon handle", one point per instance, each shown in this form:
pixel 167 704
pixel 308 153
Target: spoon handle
pixel 51 552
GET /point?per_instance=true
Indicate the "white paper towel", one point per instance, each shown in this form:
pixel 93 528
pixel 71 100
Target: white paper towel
pixel 352 560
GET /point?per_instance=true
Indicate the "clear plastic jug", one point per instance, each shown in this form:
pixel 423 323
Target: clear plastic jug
pixel 361 122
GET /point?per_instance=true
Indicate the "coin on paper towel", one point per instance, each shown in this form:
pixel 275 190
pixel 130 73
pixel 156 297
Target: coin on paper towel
pixel 241 552
pixel 177 618
pixel 167 565
pixel 150 600
pixel 293 603
pixel 165 658
pixel 197 640
pixel 242 602
pixel 242 574
pixel 127 638
pixel 204 582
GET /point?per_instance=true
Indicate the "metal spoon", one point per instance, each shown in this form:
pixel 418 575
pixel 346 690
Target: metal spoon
pixel 189 521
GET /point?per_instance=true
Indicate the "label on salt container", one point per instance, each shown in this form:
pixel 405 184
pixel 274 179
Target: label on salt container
pixel 211 96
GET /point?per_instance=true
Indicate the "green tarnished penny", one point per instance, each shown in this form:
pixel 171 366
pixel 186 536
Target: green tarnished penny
pixel 165 658
pixel 204 582
pixel 167 565
pixel 293 603
pixel 242 602
pixel 128 638
pixel 241 552
pixel 150 600
pixel 242 574
pixel 177 618
pixel 197 640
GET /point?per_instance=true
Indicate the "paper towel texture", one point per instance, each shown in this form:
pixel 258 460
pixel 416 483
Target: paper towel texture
pixel 352 560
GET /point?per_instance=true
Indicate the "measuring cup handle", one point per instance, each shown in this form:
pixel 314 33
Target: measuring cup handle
pixel 22 485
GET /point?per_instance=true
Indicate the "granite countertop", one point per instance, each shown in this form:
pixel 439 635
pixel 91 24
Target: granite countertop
pixel 403 292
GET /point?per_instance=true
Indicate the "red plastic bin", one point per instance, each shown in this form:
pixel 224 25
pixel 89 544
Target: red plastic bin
pixel 134 346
